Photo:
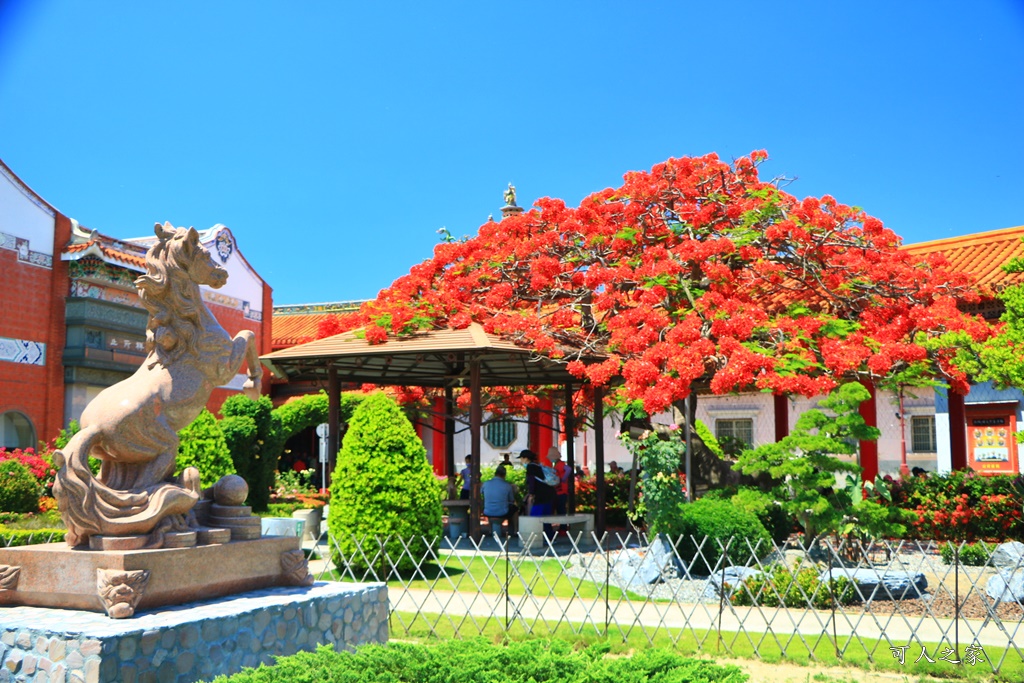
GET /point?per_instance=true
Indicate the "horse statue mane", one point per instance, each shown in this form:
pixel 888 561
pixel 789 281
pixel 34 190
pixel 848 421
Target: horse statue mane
pixel 132 426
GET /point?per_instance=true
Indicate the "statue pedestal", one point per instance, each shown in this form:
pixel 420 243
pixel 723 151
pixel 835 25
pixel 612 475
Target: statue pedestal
pixel 198 641
pixel 122 582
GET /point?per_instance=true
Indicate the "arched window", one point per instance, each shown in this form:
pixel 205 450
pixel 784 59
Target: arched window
pixel 500 433
pixel 16 431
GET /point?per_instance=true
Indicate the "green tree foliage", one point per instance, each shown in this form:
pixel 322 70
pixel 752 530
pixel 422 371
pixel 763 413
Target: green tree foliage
pixel 254 438
pixel 202 445
pixel 707 529
pixel 806 462
pixel 661 487
pixel 19 489
pixel 383 486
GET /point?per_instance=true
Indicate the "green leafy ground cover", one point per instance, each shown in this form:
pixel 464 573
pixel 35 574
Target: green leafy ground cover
pixel 817 651
pixel 455 661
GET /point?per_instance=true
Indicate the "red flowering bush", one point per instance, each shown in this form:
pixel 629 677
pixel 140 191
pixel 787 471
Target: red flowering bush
pixel 961 506
pixel 41 467
pixel 616 497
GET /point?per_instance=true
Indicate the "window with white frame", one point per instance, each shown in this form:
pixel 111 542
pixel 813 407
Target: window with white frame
pixel 922 434
pixel 740 429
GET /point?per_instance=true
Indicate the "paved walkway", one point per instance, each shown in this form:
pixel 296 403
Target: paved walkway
pixel 753 621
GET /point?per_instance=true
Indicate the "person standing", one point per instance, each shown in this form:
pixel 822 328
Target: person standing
pixel 540 497
pixel 466 476
pixel 499 498
pixel 562 490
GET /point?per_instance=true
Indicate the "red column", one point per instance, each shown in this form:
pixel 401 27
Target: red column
pixel 957 431
pixel 781 416
pixel 546 431
pixel 869 449
pixel 440 464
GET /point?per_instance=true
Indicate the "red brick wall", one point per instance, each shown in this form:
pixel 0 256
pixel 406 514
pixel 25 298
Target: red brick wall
pixel 33 309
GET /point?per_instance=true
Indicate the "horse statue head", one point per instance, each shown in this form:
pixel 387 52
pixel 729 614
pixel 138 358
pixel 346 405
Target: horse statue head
pixel 175 267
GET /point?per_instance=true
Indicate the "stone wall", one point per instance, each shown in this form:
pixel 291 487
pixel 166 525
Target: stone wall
pixel 188 643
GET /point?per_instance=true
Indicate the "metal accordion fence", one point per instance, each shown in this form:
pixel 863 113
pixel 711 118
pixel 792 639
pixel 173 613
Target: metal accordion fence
pixel 860 601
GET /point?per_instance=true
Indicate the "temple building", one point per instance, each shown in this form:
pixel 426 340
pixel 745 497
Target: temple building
pixel 71 322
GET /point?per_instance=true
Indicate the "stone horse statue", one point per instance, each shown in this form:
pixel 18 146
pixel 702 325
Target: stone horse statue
pixel 132 427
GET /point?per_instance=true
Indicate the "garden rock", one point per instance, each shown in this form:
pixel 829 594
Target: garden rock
pixel 1006 586
pixel 890 584
pixel 733 576
pixel 1008 555
pixel 658 562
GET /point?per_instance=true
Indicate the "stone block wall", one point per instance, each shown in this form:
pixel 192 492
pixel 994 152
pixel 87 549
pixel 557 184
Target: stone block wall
pixel 188 643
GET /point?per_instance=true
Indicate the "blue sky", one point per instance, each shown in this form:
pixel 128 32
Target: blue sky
pixel 336 138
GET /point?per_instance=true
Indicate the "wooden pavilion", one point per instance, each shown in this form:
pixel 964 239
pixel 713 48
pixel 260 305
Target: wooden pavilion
pixel 442 359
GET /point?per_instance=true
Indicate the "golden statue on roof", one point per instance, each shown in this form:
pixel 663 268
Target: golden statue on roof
pixel 510 195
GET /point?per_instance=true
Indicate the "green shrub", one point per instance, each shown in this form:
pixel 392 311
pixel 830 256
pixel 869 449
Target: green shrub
pixel 476 659
pixel 383 486
pixel 726 527
pixel 254 438
pixel 202 445
pixel 972 554
pixel 780 586
pixel 772 515
pixel 19 489
pixel 10 538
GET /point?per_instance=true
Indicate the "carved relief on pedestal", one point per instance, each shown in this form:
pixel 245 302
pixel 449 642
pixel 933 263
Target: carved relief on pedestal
pixel 121 591
pixel 295 568
pixel 9 577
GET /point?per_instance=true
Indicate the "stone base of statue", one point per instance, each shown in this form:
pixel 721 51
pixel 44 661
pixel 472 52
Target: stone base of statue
pixel 192 642
pixel 123 581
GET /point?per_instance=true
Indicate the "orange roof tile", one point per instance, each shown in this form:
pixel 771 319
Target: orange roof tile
pixel 298 324
pixel 981 254
pixel 289 330
pixel 109 250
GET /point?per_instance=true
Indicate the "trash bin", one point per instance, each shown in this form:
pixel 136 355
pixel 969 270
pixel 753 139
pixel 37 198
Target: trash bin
pixel 458 523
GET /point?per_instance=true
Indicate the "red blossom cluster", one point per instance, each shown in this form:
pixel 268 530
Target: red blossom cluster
pixel 957 519
pixel 696 272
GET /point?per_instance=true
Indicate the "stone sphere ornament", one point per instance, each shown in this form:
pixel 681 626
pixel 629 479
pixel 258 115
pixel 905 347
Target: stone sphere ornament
pixel 231 489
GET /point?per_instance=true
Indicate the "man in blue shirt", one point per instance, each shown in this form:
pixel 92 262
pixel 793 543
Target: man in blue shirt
pixel 499 498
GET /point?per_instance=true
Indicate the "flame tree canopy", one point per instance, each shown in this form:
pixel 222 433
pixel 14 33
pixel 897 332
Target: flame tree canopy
pixel 696 274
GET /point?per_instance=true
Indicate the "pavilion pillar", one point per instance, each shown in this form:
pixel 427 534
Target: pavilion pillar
pixel 545 430
pixel 599 516
pixel 869 449
pixel 475 421
pixel 449 431
pixel 957 431
pixel 333 420
pixel 437 439
pixel 570 449
pixel 781 416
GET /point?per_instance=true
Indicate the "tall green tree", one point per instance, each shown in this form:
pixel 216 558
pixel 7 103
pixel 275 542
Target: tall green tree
pixel 383 488
pixel 806 462
pixel 202 445
pixel 255 439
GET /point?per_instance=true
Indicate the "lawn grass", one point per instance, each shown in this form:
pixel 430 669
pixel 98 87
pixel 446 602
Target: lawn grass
pixel 497 575
pixel 854 653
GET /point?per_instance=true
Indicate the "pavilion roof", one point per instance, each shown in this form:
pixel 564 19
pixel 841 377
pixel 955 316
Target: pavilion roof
pixel 435 358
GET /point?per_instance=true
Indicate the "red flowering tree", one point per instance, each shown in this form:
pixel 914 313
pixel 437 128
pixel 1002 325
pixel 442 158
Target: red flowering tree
pixel 696 274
